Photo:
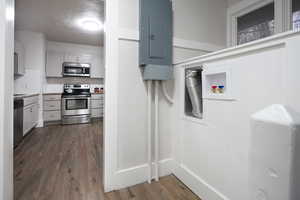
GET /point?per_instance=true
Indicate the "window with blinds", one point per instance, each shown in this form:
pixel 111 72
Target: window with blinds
pixel 296 15
pixel 256 24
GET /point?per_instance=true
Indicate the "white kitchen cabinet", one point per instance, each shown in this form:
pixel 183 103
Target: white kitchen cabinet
pixel 97 68
pixel 78 57
pixel 86 58
pixel 54 63
pixel 97 105
pixel 19 59
pixel 97 113
pixel 71 57
pixel 53 115
pixel 52 97
pixel 27 120
pixel 30 117
pixel 52 107
pixel 35 114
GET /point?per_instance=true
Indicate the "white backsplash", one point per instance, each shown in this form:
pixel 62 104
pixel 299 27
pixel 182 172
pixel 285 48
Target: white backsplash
pixel 55 85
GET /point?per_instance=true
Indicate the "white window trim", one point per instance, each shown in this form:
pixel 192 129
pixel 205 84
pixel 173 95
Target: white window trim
pixel 282 16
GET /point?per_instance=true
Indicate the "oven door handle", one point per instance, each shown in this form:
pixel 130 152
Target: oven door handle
pixel 76 98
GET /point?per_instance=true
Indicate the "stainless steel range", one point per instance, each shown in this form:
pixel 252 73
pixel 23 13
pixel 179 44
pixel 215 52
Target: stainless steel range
pixel 76 104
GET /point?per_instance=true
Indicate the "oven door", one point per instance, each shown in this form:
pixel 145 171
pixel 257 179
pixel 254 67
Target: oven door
pixel 72 106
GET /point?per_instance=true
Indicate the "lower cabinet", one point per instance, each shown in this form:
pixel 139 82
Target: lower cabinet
pixel 52 115
pixel 97 112
pixel 52 108
pixel 97 105
pixel 30 117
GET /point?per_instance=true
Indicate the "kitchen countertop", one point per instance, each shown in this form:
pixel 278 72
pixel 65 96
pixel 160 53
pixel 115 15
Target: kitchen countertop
pixel 52 93
pixel 22 96
pixel 97 93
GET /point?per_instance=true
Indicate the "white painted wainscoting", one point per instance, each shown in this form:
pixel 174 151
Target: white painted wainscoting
pixel 211 155
pixel 125 129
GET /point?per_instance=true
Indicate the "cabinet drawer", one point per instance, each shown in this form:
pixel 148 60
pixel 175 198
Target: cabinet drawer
pixel 52 116
pixel 98 96
pixel 97 103
pixel 55 97
pixel 96 113
pixel 30 117
pixel 27 119
pixel 52 105
pixel 30 100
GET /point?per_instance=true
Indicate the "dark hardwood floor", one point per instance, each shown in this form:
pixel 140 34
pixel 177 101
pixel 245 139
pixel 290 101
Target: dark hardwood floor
pixel 65 163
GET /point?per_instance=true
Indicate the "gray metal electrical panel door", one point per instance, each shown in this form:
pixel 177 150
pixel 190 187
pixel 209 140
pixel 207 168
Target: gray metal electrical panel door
pixel 156 32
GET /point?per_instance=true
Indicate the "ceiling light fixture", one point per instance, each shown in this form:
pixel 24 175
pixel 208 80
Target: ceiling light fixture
pixel 10 13
pixel 91 24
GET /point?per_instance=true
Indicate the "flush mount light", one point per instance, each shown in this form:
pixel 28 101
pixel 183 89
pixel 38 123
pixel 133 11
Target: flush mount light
pixel 10 13
pixel 90 24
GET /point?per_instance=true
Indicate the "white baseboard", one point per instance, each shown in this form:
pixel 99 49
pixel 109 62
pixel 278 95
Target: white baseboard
pixel 199 186
pixel 139 174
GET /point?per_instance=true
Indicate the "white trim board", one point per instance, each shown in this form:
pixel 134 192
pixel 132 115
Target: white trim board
pixel 269 42
pixel 132 35
pixel 244 7
pixel 6 98
pixel 199 186
pixel 111 95
pixel 138 174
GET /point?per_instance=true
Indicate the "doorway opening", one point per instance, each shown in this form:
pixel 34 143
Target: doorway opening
pixel 59 78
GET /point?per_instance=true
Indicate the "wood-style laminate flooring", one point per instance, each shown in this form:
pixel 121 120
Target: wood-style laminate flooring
pixel 65 163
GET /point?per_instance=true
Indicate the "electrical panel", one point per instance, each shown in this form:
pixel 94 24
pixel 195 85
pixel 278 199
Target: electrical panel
pixel 156 39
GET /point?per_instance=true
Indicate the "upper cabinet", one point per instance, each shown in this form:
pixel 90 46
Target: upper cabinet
pixel 19 59
pixel 78 57
pixel 54 63
pixel 97 70
pixel 58 53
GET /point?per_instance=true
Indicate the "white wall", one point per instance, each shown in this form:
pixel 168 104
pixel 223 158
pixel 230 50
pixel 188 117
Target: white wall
pixel 196 20
pixel 212 155
pixel 129 142
pixel 232 2
pixel 6 98
pixel 35 60
pixel 201 20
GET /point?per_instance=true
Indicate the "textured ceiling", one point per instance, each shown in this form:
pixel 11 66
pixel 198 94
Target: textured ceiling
pixel 57 19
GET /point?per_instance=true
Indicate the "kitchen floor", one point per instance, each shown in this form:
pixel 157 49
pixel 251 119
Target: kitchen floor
pixel 65 163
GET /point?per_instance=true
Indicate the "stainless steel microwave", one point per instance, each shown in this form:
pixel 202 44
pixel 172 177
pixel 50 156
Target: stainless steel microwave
pixel 72 69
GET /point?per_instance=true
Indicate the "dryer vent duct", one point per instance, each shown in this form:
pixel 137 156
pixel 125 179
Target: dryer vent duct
pixel 194 89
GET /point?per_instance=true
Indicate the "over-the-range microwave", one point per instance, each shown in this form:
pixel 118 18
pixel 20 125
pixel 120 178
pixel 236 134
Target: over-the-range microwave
pixel 73 69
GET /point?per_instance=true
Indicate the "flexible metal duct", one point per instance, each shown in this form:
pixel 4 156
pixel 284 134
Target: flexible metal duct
pixel 193 84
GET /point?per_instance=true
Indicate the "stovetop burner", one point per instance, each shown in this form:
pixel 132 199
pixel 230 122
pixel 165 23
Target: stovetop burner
pixel 76 89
